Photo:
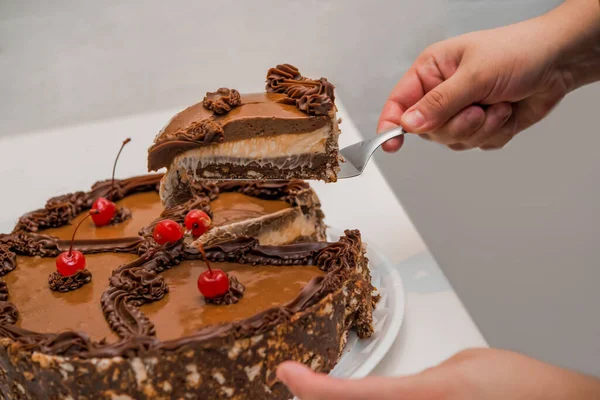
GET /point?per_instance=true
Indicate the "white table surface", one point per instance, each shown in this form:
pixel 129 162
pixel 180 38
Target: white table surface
pixel 44 164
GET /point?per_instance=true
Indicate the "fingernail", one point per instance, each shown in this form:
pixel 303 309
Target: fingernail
pixel 385 126
pixel 413 119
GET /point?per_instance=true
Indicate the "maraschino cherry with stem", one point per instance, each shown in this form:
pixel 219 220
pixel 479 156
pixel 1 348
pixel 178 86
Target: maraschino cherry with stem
pixel 106 208
pixel 197 222
pixel 70 262
pixel 212 282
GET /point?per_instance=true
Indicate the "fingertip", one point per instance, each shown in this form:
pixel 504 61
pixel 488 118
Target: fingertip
pixel 290 372
pixel 385 125
pixel 393 145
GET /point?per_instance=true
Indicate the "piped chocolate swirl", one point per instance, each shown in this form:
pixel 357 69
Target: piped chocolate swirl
pixel 60 283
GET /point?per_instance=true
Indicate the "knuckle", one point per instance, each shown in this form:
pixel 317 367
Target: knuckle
pixel 436 100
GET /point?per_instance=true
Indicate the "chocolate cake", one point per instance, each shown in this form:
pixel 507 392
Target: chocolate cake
pixel 274 212
pixel 141 330
pixel 290 131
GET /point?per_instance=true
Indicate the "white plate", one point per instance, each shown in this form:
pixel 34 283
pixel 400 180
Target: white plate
pixel 361 356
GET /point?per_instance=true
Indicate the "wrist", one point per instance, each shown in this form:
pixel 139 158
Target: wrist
pixel 574 30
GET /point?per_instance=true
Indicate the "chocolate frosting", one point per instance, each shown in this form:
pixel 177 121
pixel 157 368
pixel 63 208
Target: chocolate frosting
pixel 121 214
pixel 201 132
pixel 138 282
pixel 26 238
pixel 60 283
pixel 314 97
pixel 8 259
pixel 222 101
pixel 8 312
pixel 233 295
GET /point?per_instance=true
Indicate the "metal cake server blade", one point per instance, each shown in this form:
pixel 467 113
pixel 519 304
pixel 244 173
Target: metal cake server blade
pixel 356 157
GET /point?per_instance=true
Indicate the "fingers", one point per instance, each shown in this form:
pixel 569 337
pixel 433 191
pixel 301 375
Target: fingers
pixel 391 145
pixel 473 127
pixel 406 92
pixel 308 385
pixel 460 127
pixel 432 384
pixel 498 129
pixel 441 103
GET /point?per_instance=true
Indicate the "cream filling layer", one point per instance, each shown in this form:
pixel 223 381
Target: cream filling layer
pixel 301 226
pixel 257 148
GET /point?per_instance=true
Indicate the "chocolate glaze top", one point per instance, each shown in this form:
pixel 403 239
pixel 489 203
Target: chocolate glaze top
pixel 139 282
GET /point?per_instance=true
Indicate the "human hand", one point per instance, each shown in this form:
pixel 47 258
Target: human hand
pixel 482 374
pixel 482 88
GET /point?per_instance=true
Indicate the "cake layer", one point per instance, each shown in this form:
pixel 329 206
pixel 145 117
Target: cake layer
pixel 183 310
pixel 45 311
pixel 259 115
pixel 233 207
pixel 258 148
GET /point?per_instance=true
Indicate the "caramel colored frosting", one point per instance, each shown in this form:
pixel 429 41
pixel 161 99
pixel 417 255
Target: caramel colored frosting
pixel 234 207
pixel 45 311
pixel 145 207
pixel 183 310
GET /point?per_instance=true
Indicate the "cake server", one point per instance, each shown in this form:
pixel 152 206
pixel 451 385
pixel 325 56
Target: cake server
pixel 354 158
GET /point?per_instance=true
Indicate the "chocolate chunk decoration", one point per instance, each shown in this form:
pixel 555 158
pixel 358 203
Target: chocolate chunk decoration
pixel 60 283
pixel 233 295
pixel 222 101
pixel 314 97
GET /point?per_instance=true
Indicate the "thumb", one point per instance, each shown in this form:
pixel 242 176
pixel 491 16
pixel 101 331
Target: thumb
pixel 441 103
pixel 309 385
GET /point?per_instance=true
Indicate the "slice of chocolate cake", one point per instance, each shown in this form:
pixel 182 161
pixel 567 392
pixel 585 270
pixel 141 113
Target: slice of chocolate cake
pixel 290 131
pixel 143 331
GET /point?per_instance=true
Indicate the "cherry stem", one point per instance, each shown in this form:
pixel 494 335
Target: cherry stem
pixel 112 184
pixel 92 212
pixel 201 248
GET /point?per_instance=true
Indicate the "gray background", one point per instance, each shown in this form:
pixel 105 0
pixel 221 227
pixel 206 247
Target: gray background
pixel 516 231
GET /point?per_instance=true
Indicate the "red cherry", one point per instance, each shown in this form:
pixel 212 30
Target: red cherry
pixel 69 264
pixel 106 211
pixel 106 208
pixel 213 283
pixel 197 221
pixel 167 231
